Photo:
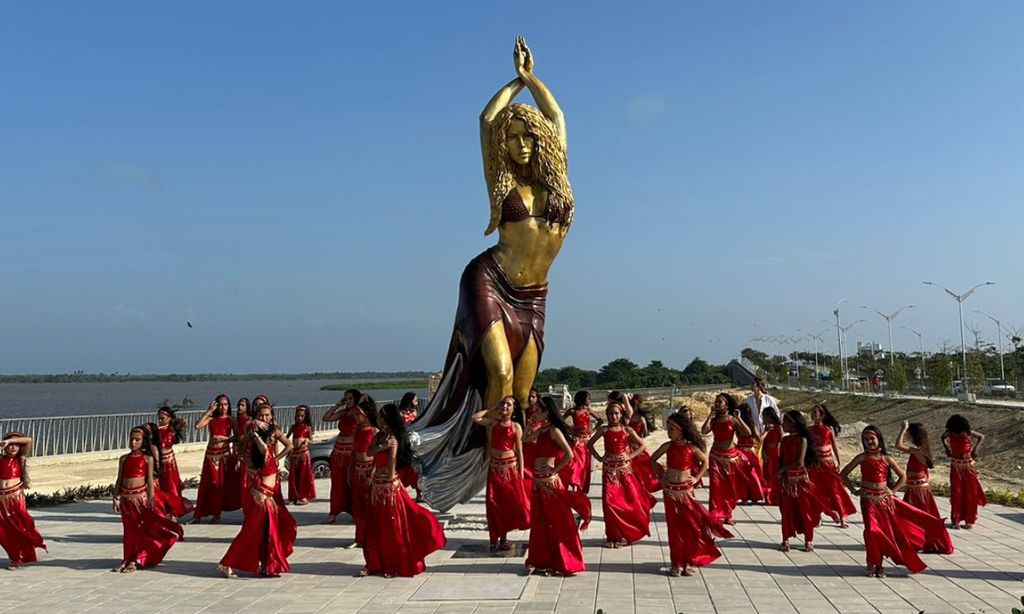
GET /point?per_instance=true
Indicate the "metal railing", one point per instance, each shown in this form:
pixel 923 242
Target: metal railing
pixel 101 432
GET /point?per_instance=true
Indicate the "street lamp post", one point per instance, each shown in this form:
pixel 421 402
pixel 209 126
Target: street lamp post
pixel 920 345
pixel 839 339
pixel 888 323
pixel 844 329
pixel 999 333
pixel 960 298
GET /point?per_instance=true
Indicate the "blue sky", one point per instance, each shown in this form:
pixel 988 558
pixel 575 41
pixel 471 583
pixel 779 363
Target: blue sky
pixel 304 185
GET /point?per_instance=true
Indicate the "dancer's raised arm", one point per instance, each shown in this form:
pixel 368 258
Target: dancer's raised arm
pixel 541 94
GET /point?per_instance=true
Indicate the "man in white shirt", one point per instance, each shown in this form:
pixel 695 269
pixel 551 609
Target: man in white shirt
pixel 758 401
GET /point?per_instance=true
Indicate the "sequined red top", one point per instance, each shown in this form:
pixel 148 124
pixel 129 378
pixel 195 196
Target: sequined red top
pixel 363 439
pixel 822 436
pixel 270 462
pixel 166 438
pixel 772 437
pixel 135 466
pixel 616 442
pixel 503 438
pixel 790 449
pixel 546 446
pixel 916 470
pixel 960 445
pixel 380 459
pixel 10 467
pixel 346 425
pixel 874 468
pixel 580 421
pixel 723 429
pixel 681 457
pixel 638 424
pixel 300 431
pixel 220 426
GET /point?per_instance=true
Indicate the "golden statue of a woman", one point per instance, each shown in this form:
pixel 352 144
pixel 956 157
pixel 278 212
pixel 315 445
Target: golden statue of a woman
pixel 498 338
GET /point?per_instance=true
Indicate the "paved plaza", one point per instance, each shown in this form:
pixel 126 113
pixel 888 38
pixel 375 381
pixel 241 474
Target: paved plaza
pixel 985 574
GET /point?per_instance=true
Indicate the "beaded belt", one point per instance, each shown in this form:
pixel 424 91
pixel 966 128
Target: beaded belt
pixel 549 482
pixel 297 453
pixel 824 451
pixel 729 455
pixel 137 492
pixel 342 447
pixel 917 479
pixel 261 492
pixel 678 490
pixel 875 494
pixel 12 492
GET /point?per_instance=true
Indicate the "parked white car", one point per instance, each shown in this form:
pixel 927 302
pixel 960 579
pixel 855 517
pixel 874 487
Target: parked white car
pixel 996 387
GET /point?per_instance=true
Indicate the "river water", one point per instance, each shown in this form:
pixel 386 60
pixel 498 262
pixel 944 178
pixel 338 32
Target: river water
pixel 28 400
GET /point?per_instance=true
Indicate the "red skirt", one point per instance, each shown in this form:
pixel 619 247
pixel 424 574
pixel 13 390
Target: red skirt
pixel 800 505
pixel 508 508
pixel 529 458
pixel 409 477
pixel 267 536
pixel 691 528
pixel 753 487
pixel 360 481
pixel 18 534
pixel 726 478
pixel 895 529
pixel 232 484
pixel 965 493
pixel 210 500
pixel 577 473
pixel 920 496
pixel 170 485
pixel 829 484
pixel 554 539
pixel 341 493
pixel 301 486
pixel 772 481
pixel 645 473
pixel 401 533
pixel 626 503
pixel 148 534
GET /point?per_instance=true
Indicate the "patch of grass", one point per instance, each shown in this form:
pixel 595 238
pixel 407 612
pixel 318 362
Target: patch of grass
pixel 382 385
pixel 82 493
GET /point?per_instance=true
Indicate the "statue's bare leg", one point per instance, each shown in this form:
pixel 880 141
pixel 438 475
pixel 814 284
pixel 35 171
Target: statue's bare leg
pixel 498 363
pixel 525 372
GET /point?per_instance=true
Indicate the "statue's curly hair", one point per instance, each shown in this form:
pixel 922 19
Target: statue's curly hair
pixel 547 167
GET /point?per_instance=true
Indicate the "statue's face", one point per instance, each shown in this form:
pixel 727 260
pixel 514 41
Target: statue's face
pixel 519 142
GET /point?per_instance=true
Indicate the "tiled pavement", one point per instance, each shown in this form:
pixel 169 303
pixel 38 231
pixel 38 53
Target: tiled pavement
pixel 985 575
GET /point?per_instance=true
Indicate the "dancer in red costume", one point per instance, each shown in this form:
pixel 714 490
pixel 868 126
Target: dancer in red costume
pixel 800 503
pixel 341 455
pixel 726 472
pixel 409 407
pixel 401 533
pixel 635 420
pixel 301 487
pixel 825 474
pixel 892 527
pixel 170 430
pixel 691 528
pixel 965 492
pixel 508 506
pixel 148 533
pixel 577 475
pixel 770 441
pixel 267 536
pixel 913 440
pixel 686 413
pixel 18 534
pixel 361 475
pixel 531 422
pixel 212 499
pixel 555 545
pixel 753 488
pixel 244 414
pixel 626 503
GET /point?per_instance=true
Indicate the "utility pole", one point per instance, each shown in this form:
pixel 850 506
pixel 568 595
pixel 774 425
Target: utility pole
pixel 999 333
pixel 920 345
pixel 888 323
pixel 839 340
pixel 960 298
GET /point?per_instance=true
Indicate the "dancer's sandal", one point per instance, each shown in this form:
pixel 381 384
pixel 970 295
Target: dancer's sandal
pixel 226 571
pixel 675 572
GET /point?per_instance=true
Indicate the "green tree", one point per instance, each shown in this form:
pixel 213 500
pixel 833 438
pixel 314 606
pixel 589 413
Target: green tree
pixel 940 374
pixel 896 376
pixel 975 372
pixel 621 372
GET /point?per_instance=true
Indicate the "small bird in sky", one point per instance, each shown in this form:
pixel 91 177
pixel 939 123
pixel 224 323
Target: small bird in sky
pixel 187 323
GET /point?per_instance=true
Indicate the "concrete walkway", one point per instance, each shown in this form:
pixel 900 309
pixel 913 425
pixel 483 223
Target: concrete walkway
pixel 985 575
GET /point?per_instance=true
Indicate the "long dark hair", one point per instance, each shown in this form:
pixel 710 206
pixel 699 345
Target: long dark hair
pixel 248 407
pixel 404 456
pixel 226 398
pixel 369 407
pixel 259 459
pixel 406 402
pixel 148 445
pixel 355 394
pixel 689 430
pixel 260 399
pixel 580 399
pixel 871 428
pixel 772 414
pixel 799 423
pixel 827 418
pixel 748 417
pixel 153 433
pixel 731 404
pixel 177 425
pixel 958 424
pixel 555 419
pixel 919 436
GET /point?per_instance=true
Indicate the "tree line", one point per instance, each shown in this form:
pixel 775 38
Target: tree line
pixel 624 373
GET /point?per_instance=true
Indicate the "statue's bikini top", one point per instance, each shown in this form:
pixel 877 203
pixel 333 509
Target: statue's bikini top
pixel 513 209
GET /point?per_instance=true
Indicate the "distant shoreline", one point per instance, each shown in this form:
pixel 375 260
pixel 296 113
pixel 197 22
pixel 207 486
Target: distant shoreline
pixel 377 378
pixel 379 385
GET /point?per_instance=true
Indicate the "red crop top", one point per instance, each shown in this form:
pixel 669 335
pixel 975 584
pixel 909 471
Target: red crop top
pixel 960 445
pixel 874 468
pixel 916 468
pixel 503 438
pixel 346 424
pixel 681 457
pixel 772 437
pixel 220 427
pixel 166 438
pixel 616 442
pixel 581 420
pixel 822 436
pixel 380 459
pixel 270 462
pixel 790 449
pixel 134 466
pixel 10 467
pixel 546 446
pixel 363 438
pixel 723 429
pixel 300 431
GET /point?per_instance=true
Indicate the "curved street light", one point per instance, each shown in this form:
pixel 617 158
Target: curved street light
pixel 960 298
